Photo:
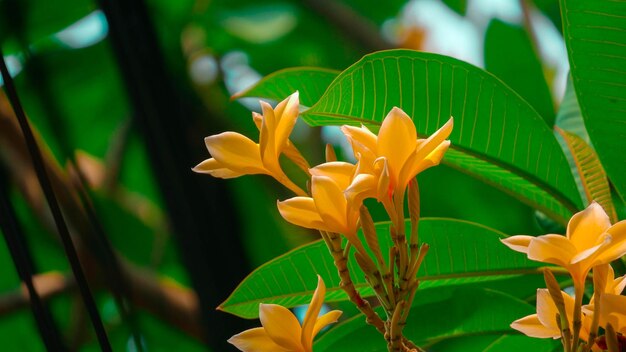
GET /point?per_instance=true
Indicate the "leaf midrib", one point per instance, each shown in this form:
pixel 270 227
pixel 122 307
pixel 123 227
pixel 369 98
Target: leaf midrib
pixel 483 273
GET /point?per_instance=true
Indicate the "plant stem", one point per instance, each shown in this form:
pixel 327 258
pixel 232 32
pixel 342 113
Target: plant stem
pixel 579 292
pixel 333 241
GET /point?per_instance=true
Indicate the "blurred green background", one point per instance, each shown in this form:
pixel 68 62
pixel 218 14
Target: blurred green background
pixel 125 92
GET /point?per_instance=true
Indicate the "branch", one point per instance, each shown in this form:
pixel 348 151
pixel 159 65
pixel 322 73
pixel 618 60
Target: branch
pixel 174 304
pixel 47 285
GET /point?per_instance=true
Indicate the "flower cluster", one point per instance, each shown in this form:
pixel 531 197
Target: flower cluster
pixel 590 244
pixel 386 166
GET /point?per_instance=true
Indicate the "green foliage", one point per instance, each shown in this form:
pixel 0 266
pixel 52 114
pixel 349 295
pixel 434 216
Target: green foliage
pixel 505 164
pixel 441 315
pixel 510 55
pixel 591 174
pixel 430 88
pixel 311 82
pixel 594 34
pixel 460 253
pixel 491 343
pixel 569 117
pixel 42 18
pixel 459 6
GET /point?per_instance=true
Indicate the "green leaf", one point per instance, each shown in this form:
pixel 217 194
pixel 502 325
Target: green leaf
pixel 494 128
pixel 569 117
pixel 595 34
pixel 510 182
pixel 458 6
pixel 437 315
pixel 461 252
pixel 589 169
pixel 497 343
pixel 311 82
pixel 510 56
pixel 43 18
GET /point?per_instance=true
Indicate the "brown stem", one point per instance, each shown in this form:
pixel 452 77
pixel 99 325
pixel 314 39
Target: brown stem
pixel 333 241
pixel 577 325
pixel 395 328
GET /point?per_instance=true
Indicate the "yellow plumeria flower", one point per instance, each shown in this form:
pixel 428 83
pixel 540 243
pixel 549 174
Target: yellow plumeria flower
pixel 613 311
pixel 544 323
pixel 590 241
pixel 328 208
pixel 234 154
pixel 281 331
pixel 611 286
pixel 397 142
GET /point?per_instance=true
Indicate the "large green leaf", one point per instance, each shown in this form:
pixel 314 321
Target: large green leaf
pixel 497 343
pixel 508 181
pixel 461 252
pixel 595 34
pixel 494 127
pixel 311 82
pixel 439 315
pixel 510 56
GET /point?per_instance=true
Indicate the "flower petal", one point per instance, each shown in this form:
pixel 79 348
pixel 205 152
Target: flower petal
pixel 301 211
pixel 397 140
pixel 428 153
pixel 531 326
pixel 384 181
pixel 257 119
pixel 267 137
pixel 311 315
pixel 613 311
pixel 286 114
pixel 339 171
pixel 236 152
pixel 518 243
pixel 324 320
pixel 428 145
pixel 555 249
pixel 434 158
pixel 255 340
pixel 618 285
pixel 330 203
pixel 281 326
pixel 589 252
pixel 362 139
pixel 586 226
pixel 618 321
pixel 215 169
pixel 363 186
pixel 546 310
pixel 616 247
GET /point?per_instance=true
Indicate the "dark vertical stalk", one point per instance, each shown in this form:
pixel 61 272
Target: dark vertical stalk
pixel 48 191
pixel 114 275
pixel 18 247
pixel 201 213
